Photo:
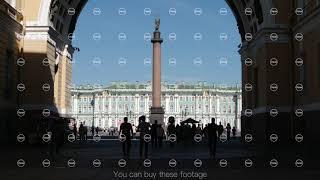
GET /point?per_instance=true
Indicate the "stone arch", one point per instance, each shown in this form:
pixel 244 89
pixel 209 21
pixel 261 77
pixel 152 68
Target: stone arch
pixel 260 49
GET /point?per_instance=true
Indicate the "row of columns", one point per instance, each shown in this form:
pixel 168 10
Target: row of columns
pixel 176 104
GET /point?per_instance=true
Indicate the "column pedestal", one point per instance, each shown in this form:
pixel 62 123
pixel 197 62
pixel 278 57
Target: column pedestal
pixel 157 113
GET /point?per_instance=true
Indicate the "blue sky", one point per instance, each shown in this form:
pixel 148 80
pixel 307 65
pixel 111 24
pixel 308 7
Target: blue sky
pixel 98 60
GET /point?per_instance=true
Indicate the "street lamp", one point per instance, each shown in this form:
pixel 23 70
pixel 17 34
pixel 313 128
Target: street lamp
pixel 92 104
pixel 235 100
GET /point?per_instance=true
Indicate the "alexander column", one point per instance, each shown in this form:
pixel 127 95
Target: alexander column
pixel 157 112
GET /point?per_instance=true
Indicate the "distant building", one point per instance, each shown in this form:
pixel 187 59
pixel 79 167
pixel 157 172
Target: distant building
pixel 182 101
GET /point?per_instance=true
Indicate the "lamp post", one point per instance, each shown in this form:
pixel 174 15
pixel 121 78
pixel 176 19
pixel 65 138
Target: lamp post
pixel 235 100
pixel 92 104
pixel 195 106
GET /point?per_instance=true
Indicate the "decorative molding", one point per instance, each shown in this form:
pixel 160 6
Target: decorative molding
pixel 44 36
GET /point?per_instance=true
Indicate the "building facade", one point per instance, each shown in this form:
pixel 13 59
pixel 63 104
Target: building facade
pixel 108 105
pixel 11 40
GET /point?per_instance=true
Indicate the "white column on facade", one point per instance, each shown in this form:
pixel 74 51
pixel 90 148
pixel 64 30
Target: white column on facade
pixel 167 103
pixel 210 105
pixel 146 101
pixel 175 103
pixel 218 104
pixel 109 106
pixel 103 103
pixel 178 104
pixel 196 104
pixel 116 110
pixel 75 107
pixel 136 104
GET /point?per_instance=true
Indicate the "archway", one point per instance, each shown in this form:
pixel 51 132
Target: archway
pixel 267 38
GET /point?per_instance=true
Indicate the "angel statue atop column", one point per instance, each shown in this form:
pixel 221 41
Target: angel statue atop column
pixel 157 24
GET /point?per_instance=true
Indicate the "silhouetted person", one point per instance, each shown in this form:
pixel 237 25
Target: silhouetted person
pixel 75 132
pixel 92 130
pixel 160 135
pixel 126 129
pixel 228 131
pixel 205 131
pixel 97 130
pixel 212 138
pixel 234 130
pixel 154 136
pixel 85 132
pixel 193 132
pixel 171 130
pixel 178 133
pixel 81 132
pixel 143 128
pixel 199 130
pixel 220 129
pixel 57 129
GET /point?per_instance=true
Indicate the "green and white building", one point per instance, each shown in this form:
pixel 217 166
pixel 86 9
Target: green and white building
pixel 112 103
